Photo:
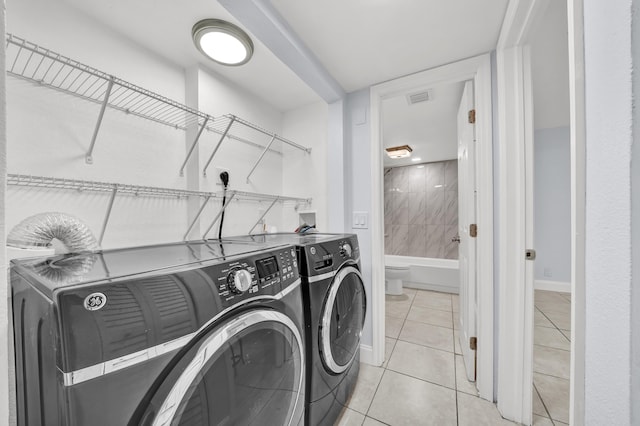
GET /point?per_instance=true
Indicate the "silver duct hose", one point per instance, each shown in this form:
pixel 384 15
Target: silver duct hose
pixel 41 229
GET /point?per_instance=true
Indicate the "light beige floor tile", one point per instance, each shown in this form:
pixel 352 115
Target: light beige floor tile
pixel 550 337
pixel 349 417
pixel 456 321
pixel 456 342
pixel 392 326
pixel 555 395
pixel 548 296
pixel 473 411
pixel 403 400
pixel 368 380
pixel 540 320
pixel 541 421
pixel 562 306
pixel 409 292
pixel 434 300
pixel 462 382
pixel 427 335
pixel 431 316
pixel 455 303
pixel 368 421
pixel 397 309
pixel 538 407
pixel 389 344
pixel 551 361
pixel 560 319
pixel 424 363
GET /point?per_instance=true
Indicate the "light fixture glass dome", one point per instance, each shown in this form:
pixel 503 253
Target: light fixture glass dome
pixel 222 42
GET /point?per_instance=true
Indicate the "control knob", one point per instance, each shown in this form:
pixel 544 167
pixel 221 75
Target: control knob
pixel 345 250
pixel 239 280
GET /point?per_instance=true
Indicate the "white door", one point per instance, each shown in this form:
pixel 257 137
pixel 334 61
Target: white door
pixel 467 217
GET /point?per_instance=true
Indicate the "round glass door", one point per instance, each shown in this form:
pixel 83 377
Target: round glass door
pixel 248 371
pixel 342 320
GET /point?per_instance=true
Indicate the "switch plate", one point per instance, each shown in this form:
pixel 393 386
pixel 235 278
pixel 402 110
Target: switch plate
pixel 360 220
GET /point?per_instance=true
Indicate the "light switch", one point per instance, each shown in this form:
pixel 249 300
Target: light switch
pixel 360 220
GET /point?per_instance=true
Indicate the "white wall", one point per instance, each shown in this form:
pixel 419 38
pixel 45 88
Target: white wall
pixel 552 204
pixel 7 399
pixel 49 133
pixel 217 97
pixel 608 93
pixel 635 225
pixel 306 174
pixel 358 137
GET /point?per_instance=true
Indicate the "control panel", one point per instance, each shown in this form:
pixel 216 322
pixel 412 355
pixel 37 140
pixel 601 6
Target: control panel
pixel 330 255
pixel 265 273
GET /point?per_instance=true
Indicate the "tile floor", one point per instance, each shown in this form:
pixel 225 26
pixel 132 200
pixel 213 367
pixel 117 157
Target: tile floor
pixel 422 381
pixel 551 353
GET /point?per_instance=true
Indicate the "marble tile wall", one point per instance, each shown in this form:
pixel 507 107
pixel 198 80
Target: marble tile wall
pixel 421 210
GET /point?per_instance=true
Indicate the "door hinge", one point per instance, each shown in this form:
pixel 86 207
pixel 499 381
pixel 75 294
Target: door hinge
pixel 473 343
pixel 472 116
pixel 473 230
pixel 530 254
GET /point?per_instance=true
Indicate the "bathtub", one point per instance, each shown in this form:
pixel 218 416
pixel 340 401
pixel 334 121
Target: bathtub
pixel 430 274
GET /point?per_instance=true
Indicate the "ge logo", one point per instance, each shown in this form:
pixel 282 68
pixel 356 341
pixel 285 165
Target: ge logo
pixel 95 301
pixel 313 250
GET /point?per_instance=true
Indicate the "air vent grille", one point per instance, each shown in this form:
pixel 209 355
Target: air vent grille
pixel 417 97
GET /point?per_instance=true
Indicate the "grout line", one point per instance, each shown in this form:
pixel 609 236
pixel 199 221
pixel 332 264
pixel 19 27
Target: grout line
pixel 543 404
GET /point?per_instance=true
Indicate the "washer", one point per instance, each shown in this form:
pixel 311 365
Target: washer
pixel 335 309
pixel 197 333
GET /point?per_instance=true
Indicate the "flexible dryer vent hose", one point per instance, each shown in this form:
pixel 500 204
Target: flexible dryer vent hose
pixel 41 229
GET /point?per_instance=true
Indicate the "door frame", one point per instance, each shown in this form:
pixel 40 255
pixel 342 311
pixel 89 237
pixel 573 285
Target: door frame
pixel 515 117
pixel 477 69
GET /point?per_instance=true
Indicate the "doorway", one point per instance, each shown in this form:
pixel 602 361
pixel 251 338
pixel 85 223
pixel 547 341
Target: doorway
pixel 478 70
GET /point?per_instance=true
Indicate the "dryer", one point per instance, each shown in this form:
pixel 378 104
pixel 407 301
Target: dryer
pixel 196 333
pixel 335 307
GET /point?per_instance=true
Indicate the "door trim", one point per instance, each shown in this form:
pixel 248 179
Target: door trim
pixel 516 301
pixel 477 69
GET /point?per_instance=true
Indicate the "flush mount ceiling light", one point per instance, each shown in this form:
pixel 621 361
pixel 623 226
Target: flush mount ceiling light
pixel 223 42
pixel 399 151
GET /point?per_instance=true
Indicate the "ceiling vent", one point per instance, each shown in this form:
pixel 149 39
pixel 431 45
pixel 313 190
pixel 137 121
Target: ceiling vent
pixel 417 97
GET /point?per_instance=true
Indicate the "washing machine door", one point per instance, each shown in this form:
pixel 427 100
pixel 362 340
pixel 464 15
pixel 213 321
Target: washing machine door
pixel 247 371
pixel 342 320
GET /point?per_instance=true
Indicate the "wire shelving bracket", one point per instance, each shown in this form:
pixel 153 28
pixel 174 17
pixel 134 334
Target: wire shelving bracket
pixel 150 191
pixel 28 61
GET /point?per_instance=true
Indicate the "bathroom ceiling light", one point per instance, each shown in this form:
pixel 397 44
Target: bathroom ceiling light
pixel 399 151
pixel 222 41
pixel 416 159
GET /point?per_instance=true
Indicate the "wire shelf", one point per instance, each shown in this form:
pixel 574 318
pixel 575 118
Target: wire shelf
pixel 28 61
pixel 95 186
pixel 137 190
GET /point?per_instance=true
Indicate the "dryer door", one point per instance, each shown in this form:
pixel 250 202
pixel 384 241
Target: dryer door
pixel 246 371
pixel 342 320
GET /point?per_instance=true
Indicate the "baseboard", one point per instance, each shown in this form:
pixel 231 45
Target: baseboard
pixel 366 354
pixel 432 287
pixel 560 286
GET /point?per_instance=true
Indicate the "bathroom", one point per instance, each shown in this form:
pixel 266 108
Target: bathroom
pixel 421 189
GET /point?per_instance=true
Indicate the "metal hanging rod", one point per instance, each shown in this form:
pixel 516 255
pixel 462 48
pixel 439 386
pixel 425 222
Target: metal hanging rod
pixel 31 62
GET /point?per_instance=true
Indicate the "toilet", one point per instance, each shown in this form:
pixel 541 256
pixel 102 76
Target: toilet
pixel 394 274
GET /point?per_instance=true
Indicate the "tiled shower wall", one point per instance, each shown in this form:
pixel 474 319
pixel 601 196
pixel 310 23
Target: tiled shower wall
pixel 421 210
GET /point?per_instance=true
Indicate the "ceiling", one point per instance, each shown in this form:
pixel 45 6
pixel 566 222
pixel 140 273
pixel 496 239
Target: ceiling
pixel 164 27
pixel 364 42
pixel 360 42
pixel 428 127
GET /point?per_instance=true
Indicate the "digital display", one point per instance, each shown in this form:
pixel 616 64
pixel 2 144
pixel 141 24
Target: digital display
pixel 267 266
